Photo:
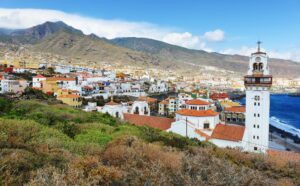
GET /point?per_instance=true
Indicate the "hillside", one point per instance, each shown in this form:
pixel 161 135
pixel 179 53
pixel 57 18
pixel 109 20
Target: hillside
pixel 59 38
pixel 91 48
pixel 51 144
pixel 236 63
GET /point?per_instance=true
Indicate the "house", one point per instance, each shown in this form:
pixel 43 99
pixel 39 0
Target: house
pixel 219 96
pixel 71 100
pixel 169 106
pixel 52 84
pixel 152 102
pixel 234 115
pixel 37 81
pixel 158 87
pixel 12 86
pixel 140 107
pixel 114 109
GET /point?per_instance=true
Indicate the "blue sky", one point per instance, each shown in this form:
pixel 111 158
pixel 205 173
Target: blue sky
pixel 186 23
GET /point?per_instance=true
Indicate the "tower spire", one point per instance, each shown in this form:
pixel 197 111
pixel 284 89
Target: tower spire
pixel 258 45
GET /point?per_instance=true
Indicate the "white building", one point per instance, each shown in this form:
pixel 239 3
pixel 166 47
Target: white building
pixel 140 107
pixel 37 81
pixel 114 109
pixel 257 82
pixel 118 110
pixel 158 87
pixel 198 121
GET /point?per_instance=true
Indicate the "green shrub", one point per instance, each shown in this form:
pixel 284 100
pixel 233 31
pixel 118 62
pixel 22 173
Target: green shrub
pixel 93 136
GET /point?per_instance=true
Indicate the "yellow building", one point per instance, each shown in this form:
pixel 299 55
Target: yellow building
pixel 26 64
pixel 62 92
pixel 71 99
pixel 51 85
pixel 229 103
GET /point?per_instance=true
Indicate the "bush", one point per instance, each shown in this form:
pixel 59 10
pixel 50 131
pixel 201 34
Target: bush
pixel 92 136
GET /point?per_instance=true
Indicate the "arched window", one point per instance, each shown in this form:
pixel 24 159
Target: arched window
pixel 117 114
pixel 260 66
pixel 145 110
pixel 136 110
pixel 255 66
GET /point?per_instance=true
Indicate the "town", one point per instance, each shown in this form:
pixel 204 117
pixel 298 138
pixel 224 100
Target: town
pixel 203 107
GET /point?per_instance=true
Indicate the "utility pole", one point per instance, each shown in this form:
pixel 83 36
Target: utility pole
pixel 186 127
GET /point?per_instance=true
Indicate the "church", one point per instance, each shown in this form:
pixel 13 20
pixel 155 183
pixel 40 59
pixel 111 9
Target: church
pixel 198 121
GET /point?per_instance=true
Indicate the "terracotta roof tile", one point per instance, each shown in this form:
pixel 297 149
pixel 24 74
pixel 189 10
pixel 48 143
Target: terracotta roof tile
pixel 151 121
pixel 197 113
pixel 202 134
pixel 236 109
pixel 112 103
pixel 69 96
pixel 285 155
pixel 216 96
pixel 60 79
pixel 164 102
pixel 197 102
pixel 39 76
pixel 148 99
pixel 228 132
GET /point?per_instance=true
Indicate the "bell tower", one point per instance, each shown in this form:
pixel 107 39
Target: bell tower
pixel 258 82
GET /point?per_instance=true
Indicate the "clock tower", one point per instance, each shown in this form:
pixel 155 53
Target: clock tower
pixel 258 82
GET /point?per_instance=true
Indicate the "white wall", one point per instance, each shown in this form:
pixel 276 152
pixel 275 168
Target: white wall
pixel 199 121
pixel 226 143
pixel 263 120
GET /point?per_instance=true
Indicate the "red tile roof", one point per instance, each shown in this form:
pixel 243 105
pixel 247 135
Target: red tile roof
pixel 39 76
pixel 69 96
pixel 202 134
pixel 197 113
pixel 60 79
pixel 148 99
pixel 285 155
pixel 164 102
pixel 236 109
pixel 197 102
pixel 151 121
pixel 112 103
pixel 216 96
pixel 228 132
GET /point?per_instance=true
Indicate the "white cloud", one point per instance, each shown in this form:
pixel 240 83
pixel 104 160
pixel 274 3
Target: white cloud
pixel 185 39
pixel 246 51
pixel 24 18
pixel 216 35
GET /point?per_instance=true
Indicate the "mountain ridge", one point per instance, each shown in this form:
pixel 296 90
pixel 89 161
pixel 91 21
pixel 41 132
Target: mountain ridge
pixel 60 38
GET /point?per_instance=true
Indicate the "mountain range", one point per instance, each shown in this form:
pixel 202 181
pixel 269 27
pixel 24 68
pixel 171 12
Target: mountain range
pixel 60 38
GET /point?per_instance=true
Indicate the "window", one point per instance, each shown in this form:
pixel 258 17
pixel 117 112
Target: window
pixel 257 126
pixel 258 104
pixel 256 98
pixel 253 137
pixel 257 115
pixel 255 148
pixel 254 126
pixel 254 115
pixel 206 125
pixel 257 137
pixel 254 103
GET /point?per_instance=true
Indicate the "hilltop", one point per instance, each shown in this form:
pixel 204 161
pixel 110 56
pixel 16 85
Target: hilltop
pixel 47 143
pixel 59 38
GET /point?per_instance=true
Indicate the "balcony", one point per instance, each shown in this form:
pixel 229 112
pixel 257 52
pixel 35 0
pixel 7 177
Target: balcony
pixel 260 81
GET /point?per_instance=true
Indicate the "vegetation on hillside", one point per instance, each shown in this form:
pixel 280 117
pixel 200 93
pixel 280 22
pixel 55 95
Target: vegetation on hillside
pixel 53 144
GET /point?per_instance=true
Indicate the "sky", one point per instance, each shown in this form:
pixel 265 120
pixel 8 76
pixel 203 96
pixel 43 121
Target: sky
pixel 225 26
